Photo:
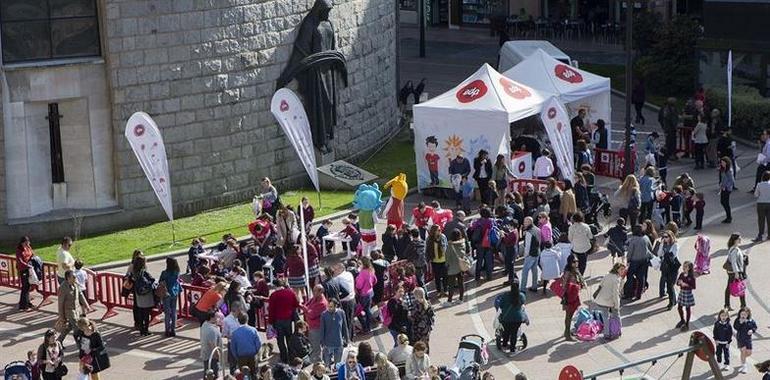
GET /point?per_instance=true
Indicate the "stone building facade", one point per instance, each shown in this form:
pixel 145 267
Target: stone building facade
pixel 206 71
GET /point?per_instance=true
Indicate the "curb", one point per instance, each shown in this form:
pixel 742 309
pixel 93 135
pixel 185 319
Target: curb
pixel 181 252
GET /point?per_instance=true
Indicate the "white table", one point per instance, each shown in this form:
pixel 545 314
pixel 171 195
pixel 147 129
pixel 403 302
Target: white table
pixel 336 237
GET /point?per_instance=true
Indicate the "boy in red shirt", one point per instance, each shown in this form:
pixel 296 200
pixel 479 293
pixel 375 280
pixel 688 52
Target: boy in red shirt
pixel 432 159
pixel 421 216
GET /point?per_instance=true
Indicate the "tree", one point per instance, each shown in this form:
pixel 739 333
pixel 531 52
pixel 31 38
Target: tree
pixel 671 66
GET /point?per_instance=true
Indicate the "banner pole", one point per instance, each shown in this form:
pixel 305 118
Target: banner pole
pixel 319 200
pixel 173 234
pixel 303 241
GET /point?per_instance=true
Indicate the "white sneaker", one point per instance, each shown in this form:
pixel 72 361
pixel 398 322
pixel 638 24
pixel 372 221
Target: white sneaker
pixel 724 367
pixel 743 369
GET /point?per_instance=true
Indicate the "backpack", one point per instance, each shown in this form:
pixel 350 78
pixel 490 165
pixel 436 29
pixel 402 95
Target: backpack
pixel 142 284
pixel 385 315
pixel 494 236
pixel 615 327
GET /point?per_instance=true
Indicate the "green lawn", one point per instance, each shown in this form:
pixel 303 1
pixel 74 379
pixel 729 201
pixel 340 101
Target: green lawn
pixel 395 157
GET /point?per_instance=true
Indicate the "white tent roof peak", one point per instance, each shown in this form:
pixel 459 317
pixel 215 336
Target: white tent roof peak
pixel 544 73
pixel 488 90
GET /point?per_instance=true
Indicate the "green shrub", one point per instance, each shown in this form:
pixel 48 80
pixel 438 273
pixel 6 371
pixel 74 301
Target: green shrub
pixel 670 67
pixel 751 111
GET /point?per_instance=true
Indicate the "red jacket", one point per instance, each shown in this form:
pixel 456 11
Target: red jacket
pixel 421 218
pixel 281 305
pixel 313 310
pixel 23 257
pixel 295 266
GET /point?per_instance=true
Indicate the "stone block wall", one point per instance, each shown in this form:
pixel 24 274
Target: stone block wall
pixel 206 71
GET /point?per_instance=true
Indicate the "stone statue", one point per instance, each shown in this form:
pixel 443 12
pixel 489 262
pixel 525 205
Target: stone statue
pixel 314 63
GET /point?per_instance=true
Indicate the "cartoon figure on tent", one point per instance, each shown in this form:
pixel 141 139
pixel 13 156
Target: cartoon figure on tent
pixel 459 166
pixel 431 143
pixel 394 210
pixel 367 200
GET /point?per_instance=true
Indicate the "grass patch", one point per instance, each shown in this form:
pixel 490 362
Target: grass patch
pixel 396 157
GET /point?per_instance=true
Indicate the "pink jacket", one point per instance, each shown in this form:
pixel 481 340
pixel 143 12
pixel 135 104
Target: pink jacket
pixel 365 282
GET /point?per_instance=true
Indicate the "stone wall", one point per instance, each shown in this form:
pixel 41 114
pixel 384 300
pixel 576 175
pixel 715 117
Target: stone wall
pixel 206 71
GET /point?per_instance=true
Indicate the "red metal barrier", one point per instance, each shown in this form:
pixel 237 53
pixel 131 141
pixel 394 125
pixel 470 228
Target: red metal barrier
pixel 520 185
pixel 110 285
pixel 92 287
pixel 611 163
pixel 49 284
pixel 684 143
pixel 9 276
pixel 187 298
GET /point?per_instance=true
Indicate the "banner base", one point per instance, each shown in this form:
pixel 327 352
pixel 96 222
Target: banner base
pixel 342 175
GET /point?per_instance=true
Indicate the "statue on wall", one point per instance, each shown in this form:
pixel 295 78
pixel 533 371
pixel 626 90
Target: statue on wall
pixel 314 62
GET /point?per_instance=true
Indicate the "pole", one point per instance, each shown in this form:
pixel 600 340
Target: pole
pixel 173 234
pixel 421 21
pixel 303 241
pixel 319 200
pixel 629 169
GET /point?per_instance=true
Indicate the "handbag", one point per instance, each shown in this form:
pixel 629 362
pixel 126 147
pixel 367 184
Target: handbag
pixel 464 264
pixel 32 278
pixel 727 266
pixel 61 370
pixel 738 288
pixel 128 287
pixel 161 291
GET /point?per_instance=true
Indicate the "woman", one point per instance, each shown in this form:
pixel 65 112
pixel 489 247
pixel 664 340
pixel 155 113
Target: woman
pixel 365 282
pixel 572 282
pixel 350 368
pixel 50 355
pixel 735 267
pixel 399 323
pixel 482 173
pixel 650 231
pixel 726 185
pixel 128 279
pixel 386 370
pixel 401 353
pixel 542 204
pixel 553 193
pixel 629 199
pixel 608 296
pixel 209 302
pixel 583 154
pixel 299 345
pixel 308 213
pixel 582 200
pixel 701 141
pixel 418 363
pixel 485 257
pixel 312 311
pixel 423 318
pixel 93 355
pixel 512 315
pixel 638 255
pixel 365 354
pixel 668 253
pixel 170 278
pixel 144 297
pixel 454 253
pixel 234 295
pixel 581 237
pixel 24 254
pixel 269 196
pixel 286 225
pixel 567 203
pixel 500 174
pixel 546 231
pixel 435 248
pixel 295 268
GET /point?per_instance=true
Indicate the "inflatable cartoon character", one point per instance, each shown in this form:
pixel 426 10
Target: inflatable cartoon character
pixel 395 207
pixel 367 201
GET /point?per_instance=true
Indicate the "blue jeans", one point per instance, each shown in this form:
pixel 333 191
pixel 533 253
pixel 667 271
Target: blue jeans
pixel 366 303
pixel 169 313
pixel 332 355
pixel 510 254
pixel 394 334
pixel 485 261
pixel 530 265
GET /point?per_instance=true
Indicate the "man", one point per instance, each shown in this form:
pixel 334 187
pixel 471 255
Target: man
pixel 280 314
pixel 64 260
pixel 70 297
pixel 544 165
pixel 577 124
pixel 530 200
pixel 762 193
pixel 334 328
pixel 210 338
pixel 647 187
pixel 531 254
pixel 668 117
pixel 415 254
pixel 348 288
pixel 245 344
pixel 482 173
pixel 650 146
pixel 229 325
pixel 421 217
pixel 599 138
pixel 763 158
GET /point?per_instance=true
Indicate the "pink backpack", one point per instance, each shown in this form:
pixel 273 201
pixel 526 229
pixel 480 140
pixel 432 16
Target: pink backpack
pixel 588 331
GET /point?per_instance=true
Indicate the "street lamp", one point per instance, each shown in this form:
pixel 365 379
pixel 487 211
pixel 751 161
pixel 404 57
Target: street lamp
pixel 629 68
pixel 421 21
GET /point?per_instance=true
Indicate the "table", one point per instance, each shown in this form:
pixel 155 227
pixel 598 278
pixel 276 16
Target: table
pixel 335 237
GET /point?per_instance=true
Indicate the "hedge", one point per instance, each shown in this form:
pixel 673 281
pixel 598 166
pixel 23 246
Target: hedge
pixel 751 111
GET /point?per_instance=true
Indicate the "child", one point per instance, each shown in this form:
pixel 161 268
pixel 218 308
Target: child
pixel 550 262
pixel 510 247
pixel 322 231
pixel 764 367
pixel 661 162
pixel 617 237
pixel 196 248
pixel 32 365
pixel 566 249
pixel 686 299
pixel 467 193
pixel 676 202
pixel 689 205
pixel 702 254
pixel 81 277
pixel 700 205
pixel 389 242
pixel 723 335
pixel 745 327
pixel 493 193
pixel 279 261
pixel 350 231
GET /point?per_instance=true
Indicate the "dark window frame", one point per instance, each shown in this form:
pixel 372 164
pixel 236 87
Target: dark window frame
pixel 50 20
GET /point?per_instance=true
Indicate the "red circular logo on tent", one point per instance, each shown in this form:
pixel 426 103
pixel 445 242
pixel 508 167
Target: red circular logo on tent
pixel 570 373
pixel 567 74
pixel 551 113
pixel 139 130
pixel 522 167
pixel 558 126
pixel 514 90
pixel 472 91
pixel 284 106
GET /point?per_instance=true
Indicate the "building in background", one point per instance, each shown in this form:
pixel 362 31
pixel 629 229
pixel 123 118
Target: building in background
pixel 74 71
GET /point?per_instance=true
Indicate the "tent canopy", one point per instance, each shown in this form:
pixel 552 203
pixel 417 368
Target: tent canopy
pixel 576 89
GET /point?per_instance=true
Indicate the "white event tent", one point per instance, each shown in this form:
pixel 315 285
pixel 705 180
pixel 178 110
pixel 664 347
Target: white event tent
pixel 472 116
pixel 575 88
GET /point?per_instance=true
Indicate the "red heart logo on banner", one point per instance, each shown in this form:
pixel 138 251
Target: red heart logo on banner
pixel 514 90
pixel 522 167
pixel 567 74
pixel 558 126
pixel 472 91
pixel 551 113
pixel 139 130
pixel 284 106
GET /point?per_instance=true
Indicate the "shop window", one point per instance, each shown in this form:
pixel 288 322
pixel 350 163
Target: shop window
pixel 36 30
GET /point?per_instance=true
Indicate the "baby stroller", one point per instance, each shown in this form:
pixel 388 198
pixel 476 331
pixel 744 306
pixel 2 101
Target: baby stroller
pixel 600 211
pixel 471 355
pixel 17 371
pixel 521 336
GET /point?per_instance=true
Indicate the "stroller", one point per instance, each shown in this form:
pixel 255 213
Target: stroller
pixel 600 211
pixel 17 371
pixel 521 336
pixel 471 355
